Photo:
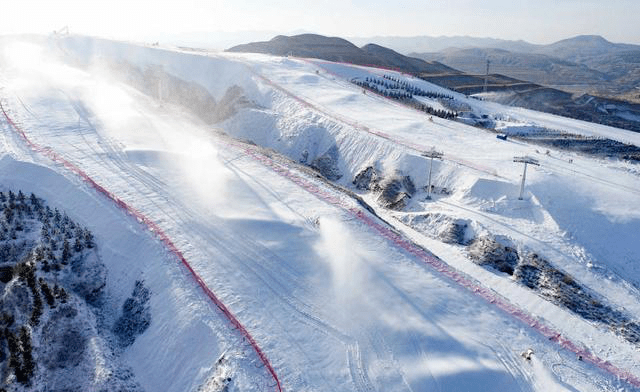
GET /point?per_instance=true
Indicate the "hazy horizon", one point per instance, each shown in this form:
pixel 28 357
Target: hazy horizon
pixel 541 22
pixel 268 34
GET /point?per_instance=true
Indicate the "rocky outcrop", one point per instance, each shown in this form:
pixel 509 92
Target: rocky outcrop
pixel 327 164
pixel 497 252
pixel 396 192
pixel 367 179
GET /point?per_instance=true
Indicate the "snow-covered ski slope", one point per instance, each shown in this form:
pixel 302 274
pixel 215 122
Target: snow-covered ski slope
pixel 334 299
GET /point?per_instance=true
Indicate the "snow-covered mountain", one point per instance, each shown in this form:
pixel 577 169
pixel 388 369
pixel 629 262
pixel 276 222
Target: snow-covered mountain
pixel 281 219
pixel 587 64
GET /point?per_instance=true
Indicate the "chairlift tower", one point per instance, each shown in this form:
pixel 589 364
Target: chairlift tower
pixel 527 161
pixel 431 154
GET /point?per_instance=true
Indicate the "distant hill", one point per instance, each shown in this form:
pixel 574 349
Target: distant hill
pixel 423 44
pixel 534 67
pixel 585 48
pixel 620 62
pixel 394 59
pixel 518 79
pixel 338 49
pixel 307 45
pixel 587 45
pixel 583 64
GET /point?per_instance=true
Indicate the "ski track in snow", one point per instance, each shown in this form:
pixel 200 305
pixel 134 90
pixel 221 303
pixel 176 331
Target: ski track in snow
pixel 438 265
pixel 443 268
pixel 157 231
pixel 258 270
pixel 370 130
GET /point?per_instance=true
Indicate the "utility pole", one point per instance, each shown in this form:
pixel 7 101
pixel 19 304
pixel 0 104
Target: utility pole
pixel 431 154
pixel 526 160
pixel 486 77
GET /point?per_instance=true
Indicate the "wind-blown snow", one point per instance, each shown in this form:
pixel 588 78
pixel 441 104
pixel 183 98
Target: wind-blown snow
pixel 334 305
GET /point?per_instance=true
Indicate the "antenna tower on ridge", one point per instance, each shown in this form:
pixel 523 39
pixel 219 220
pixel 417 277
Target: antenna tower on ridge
pixel 486 77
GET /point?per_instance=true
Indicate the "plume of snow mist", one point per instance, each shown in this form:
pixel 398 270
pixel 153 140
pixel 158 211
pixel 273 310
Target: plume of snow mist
pixel 340 249
pixel 33 68
pixel 23 55
pixel 165 138
pixel 205 175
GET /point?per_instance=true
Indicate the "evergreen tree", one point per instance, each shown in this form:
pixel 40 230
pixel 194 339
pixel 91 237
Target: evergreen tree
pixel 63 296
pixel 44 233
pixel 25 371
pixel 8 214
pixel 34 200
pixel 46 291
pixel 66 251
pixel 77 246
pixel 14 350
pixel 88 239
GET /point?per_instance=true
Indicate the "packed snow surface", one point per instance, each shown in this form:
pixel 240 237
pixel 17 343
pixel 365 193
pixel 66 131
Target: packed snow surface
pixel 334 303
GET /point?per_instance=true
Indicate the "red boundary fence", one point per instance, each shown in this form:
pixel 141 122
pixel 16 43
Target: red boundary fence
pixel 400 241
pixel 450 272
pixel 354 124
pixel 159 233
pixel 437 264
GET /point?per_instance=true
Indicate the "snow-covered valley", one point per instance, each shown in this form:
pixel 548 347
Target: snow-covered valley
pixel 300 202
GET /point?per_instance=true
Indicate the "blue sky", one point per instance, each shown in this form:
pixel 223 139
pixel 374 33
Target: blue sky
pixel 541 21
